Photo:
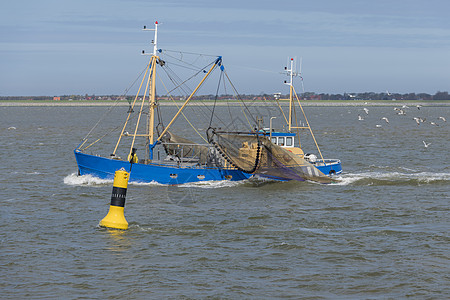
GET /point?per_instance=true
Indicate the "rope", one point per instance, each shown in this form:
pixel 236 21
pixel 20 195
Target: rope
pixel 108 111
pixel 215 99
pixel 182 113
pixel 242 102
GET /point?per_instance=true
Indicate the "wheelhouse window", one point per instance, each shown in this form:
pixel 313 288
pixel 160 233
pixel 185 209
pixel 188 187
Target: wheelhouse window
pixel 289 141
pixel 280 141
pixel 274 140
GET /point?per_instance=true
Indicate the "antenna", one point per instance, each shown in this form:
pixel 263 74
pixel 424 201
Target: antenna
pixel 300 74
pixel 292 72
pixel 155 40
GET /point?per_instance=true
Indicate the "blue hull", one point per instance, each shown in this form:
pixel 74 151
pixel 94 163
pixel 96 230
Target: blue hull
pixel 331 167
pixel 105 168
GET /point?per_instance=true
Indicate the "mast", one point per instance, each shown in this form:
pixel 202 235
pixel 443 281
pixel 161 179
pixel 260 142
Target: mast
pixel 152 90
pixel 292 92
pixel 290 73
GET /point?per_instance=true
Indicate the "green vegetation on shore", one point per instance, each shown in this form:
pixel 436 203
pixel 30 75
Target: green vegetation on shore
pixel 221 103
pixel 367 96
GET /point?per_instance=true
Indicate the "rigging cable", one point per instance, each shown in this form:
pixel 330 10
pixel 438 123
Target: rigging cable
pixel 109 111
pixel 215 99
pixel 242 102
pixel 182 113
pixel 175 78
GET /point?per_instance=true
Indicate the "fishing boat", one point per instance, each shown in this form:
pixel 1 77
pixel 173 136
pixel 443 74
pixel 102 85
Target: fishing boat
pixel 224 147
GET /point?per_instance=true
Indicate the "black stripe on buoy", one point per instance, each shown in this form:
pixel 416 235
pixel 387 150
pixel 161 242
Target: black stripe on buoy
pixel 118 196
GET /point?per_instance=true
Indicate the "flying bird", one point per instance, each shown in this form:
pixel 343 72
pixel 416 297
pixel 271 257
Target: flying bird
pixel 443 119
pixel 418 106
pixel 432 123
pixel 386 119
pixel 426 144
pixel 418 120
pixel 360 118
pixel 378 126
pixel 366 110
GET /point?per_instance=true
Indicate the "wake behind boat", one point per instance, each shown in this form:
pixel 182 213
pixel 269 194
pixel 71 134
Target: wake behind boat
pixel 199 143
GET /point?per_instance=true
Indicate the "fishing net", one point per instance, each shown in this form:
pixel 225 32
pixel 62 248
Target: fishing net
pixel 240 151
pixel 285 164
pixel 256 154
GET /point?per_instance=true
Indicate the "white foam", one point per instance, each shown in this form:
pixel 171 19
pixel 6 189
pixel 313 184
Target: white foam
pixel 429 177
pixel 213 184
pixel 151 183
pixel 33 173
pixel 421 177
pixel 346 179
pixel 74 179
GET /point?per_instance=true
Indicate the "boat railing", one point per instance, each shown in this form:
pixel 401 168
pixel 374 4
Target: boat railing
pixel 186 144
pixel 322 162
pixel 191 154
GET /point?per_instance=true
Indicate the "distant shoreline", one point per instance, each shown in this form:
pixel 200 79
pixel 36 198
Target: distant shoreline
pixel 179 103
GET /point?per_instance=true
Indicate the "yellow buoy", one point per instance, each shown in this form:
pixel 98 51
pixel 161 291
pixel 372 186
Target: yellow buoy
pixel 115 217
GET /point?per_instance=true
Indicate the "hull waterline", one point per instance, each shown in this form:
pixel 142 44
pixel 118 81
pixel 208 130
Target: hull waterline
pixel 105 168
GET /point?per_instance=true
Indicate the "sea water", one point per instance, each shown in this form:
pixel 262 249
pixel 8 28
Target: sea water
pixel 381 233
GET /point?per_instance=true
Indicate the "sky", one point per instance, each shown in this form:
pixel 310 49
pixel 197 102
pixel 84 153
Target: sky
pixel 61 47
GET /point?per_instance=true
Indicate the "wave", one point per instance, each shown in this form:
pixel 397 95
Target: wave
pixel 212 184
pixel 74 179
pixel 375 178
pixel 254 181
pixel 393 178
pixel 80 180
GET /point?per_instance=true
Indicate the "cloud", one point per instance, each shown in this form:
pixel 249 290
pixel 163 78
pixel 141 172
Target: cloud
pixel 252 33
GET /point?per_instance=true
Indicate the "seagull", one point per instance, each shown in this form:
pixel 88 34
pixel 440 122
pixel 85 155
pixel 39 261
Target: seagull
pixel 443 119
pixel 418 120
pixel 378 126
pixel 401 112
pixel 418 106
pixel 432 123
pixel 386 119
pixel 126 133
pixel 426 144
pixel 11 128
pixel 360 118
pixel 405 106
pixel 395 108
pixel 366 110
